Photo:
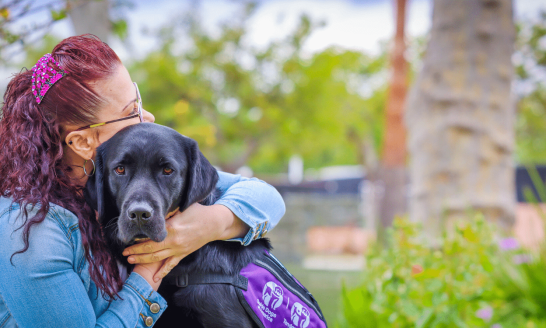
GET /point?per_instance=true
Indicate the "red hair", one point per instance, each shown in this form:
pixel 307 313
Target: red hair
pixel 31 146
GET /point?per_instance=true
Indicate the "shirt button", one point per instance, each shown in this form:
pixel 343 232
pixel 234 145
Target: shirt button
pixel 155 308
pixel 149 321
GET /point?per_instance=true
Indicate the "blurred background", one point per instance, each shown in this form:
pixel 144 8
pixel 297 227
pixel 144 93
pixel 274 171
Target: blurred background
pixel 406 136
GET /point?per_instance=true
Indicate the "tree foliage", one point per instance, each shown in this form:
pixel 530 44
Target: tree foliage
pixel 261 106
pixel 26 22
pixel 13 32
pixel 530 60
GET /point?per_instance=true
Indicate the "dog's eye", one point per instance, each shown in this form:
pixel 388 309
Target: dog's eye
pixel 168 171
pixel 120 170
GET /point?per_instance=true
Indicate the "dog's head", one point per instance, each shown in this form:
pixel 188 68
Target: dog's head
pixel 143 173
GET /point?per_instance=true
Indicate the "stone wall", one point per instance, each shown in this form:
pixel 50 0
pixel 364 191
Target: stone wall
pixel 307 210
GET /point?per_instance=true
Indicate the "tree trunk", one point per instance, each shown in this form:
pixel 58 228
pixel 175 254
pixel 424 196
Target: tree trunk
pixel 90 17
pixel 460 116
pixel 392 172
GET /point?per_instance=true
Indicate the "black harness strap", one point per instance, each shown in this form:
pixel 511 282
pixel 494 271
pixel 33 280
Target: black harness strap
pixel 184 280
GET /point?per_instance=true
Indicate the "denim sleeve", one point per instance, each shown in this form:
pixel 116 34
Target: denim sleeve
pixel 255 202
pixel 43 288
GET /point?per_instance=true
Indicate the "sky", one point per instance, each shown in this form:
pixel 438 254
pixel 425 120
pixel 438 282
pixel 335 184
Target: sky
pixel 351 24
pixel 357 25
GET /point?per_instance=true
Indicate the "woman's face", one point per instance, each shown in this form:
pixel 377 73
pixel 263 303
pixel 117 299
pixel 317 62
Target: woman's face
pixel 120 97
pixel 120 101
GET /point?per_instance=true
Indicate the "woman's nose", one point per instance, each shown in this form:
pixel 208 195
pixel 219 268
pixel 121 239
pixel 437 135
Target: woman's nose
pixel 148 117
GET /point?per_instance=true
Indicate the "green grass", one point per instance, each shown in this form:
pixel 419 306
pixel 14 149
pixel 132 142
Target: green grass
pixel 326 287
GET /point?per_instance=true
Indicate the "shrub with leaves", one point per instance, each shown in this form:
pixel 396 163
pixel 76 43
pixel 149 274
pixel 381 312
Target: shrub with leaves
pixel 457 284
pixel 521 275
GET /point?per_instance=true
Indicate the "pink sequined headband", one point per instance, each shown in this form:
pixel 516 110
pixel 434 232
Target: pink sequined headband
pixel 43 76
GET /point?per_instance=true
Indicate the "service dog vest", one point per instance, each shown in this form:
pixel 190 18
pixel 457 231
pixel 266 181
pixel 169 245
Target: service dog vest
pixel 275 298
pixel 271 295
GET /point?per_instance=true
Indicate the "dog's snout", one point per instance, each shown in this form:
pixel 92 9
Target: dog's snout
pixel 140 213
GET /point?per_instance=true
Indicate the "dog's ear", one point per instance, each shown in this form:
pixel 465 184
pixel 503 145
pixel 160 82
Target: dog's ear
pixel 201 176
pixel 96 192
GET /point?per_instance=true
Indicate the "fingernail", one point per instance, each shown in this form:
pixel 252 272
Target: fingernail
pixel 131 260
pixel 156 279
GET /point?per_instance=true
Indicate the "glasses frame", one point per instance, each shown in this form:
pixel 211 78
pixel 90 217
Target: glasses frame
pixel 139 114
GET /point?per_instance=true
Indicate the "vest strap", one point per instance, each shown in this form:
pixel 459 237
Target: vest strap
pixel 184 280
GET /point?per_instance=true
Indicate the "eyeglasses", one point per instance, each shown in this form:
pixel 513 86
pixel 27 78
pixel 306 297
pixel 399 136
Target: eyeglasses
pixel 139 114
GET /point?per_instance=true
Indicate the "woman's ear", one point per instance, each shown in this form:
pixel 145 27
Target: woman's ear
pixel 83 143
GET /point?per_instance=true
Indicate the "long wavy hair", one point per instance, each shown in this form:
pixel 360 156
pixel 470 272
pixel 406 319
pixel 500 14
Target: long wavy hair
pixel 31 146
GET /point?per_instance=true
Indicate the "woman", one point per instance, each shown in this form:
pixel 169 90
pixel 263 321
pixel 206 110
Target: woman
pixel 55 268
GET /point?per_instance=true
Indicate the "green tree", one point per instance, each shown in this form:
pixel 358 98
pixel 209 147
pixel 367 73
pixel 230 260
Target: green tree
pixel 530 61
pixel 12 37
pixel 260 107
pixel 18 32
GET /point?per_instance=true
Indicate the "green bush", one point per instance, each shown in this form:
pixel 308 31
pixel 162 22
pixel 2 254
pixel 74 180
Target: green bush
pixel 470 280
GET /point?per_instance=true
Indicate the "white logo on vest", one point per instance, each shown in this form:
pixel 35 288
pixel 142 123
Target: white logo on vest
pixel 300 315
pixel 272 293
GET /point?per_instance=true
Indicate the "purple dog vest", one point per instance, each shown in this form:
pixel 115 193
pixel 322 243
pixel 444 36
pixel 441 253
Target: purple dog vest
pixel 274 298
pixel 270 295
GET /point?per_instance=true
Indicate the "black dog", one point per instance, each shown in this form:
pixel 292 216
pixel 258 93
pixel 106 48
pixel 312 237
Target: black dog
pixel 144 172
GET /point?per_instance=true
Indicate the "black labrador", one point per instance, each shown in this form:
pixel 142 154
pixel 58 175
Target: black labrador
pixel 144 172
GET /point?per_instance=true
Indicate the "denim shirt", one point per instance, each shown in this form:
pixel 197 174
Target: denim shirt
pixel 49 285
pixel 255 202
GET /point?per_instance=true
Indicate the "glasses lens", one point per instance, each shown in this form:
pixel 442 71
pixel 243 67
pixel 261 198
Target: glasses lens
pixel 140 116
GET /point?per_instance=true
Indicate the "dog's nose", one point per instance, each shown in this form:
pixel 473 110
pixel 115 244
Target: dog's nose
pixel 140 213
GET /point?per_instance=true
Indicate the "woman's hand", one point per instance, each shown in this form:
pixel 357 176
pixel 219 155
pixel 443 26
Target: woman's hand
pixel 148 271
pixel 187 232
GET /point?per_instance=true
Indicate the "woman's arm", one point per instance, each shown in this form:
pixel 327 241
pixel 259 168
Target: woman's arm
pixel 252 201
pixel 48 285
pixel 247 209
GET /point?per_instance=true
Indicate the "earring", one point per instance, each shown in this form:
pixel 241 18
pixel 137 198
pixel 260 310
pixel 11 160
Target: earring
pixel 84 171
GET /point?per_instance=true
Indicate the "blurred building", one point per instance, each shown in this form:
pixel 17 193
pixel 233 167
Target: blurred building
pixel 327 224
